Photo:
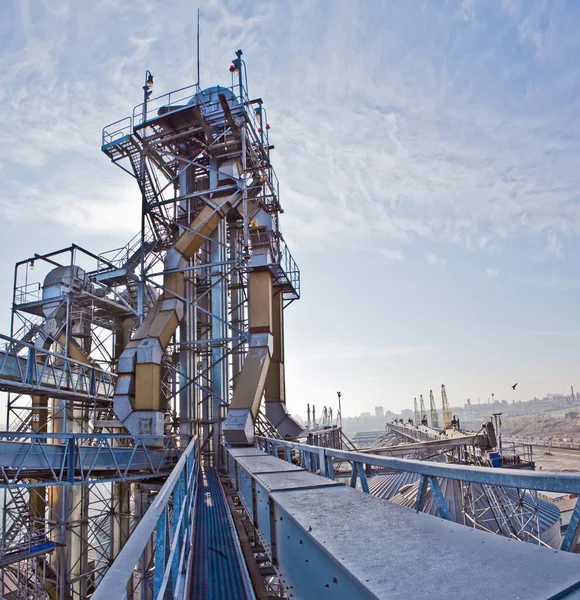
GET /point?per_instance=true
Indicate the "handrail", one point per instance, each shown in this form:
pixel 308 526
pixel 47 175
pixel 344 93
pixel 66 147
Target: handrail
pixel 119 131
pixel 23 366
pixel 119 256
pixel 31 292
pixel 169 522
pixel 516 478
pixel 321 459
pixel 13 343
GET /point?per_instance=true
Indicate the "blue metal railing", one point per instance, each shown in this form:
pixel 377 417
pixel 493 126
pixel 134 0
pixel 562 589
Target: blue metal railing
pixel 117 130
pixel 167 526
pixel 80 458
pixel 26 368
pixel 320 460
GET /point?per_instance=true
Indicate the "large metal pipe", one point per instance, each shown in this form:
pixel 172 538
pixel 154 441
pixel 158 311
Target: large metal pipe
pixel 275 388
pixel 137 401
pixel 245 403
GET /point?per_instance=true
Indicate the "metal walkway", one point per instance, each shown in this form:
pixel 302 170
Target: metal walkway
pixel 218 568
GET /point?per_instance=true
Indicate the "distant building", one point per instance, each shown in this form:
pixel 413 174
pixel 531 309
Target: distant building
pixel 565 502
pixel 379 412
pixel 572 415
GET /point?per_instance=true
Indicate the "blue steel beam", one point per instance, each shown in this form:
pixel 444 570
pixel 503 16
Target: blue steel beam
pixel 25 369
pixel 572 530
pixel 82 458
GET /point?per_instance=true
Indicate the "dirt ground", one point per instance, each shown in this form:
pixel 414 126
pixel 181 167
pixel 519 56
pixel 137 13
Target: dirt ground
pixel 560 460
pixel 542 426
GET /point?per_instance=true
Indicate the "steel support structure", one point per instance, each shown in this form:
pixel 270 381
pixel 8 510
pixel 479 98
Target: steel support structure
pixel 78 369
pixel 70 311
pixel 155 562
pixel 297 506
pixel 496 482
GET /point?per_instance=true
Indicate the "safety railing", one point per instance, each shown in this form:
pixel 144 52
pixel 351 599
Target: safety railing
pixel 119 257
pixel 282 265
pixel 412 432
pixel 26 368
pixel 167 527
pixel 80 458
pixel 321 460
pixel 290 267
pixel 117 130
pixel 30 292
pixel 543 443
pixel 142 113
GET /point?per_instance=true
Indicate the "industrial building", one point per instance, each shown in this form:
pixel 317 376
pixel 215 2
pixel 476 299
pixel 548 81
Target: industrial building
pixel 149 453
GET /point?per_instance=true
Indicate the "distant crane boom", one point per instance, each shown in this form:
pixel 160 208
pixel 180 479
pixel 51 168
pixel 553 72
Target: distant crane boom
pixel 447 416
pixel 434 415
pixel 423 411
pixel 417 417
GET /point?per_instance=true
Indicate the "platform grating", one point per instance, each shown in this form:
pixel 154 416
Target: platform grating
pixel 217 573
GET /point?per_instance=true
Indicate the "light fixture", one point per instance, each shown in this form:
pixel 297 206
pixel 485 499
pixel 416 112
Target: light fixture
pixel 148 85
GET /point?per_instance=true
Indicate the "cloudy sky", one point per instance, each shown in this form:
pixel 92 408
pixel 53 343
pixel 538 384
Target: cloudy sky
pixel 428 153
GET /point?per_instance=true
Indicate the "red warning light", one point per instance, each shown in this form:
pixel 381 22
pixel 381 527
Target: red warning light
pixel 232 68
pixel 267 126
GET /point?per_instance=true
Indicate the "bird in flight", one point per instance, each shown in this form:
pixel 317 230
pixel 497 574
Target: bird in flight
pixel 514 386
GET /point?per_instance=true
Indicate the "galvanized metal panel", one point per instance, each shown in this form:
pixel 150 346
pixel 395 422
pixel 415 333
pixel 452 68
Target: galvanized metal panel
pixel 245 488
pixel 380 545
pixel 265 464
pixel 245 451
pixel 293 480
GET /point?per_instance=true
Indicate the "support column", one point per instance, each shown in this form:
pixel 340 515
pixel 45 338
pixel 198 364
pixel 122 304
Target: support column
pixel 37 496
pixel 219 311
pixel 236 295
pixel 144 590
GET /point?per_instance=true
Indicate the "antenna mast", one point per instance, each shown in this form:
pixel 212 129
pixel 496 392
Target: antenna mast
pixel 198 82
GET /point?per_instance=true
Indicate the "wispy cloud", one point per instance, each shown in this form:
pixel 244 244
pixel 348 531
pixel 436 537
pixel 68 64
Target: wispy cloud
pixel 434 260
pixel 346 350
pixel 389 255
pixel 412 145
pixel 554 246
pixel 491 273
pixel 412 126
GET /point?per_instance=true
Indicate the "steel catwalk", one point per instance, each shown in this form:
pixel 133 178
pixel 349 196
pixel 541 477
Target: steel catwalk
pixel 218 568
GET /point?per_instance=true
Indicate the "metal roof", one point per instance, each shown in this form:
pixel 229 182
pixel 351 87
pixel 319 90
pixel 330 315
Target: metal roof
pixel 522 519
pixel 388 485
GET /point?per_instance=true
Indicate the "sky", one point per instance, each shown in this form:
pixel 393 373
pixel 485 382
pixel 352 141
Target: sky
pixel 428 155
